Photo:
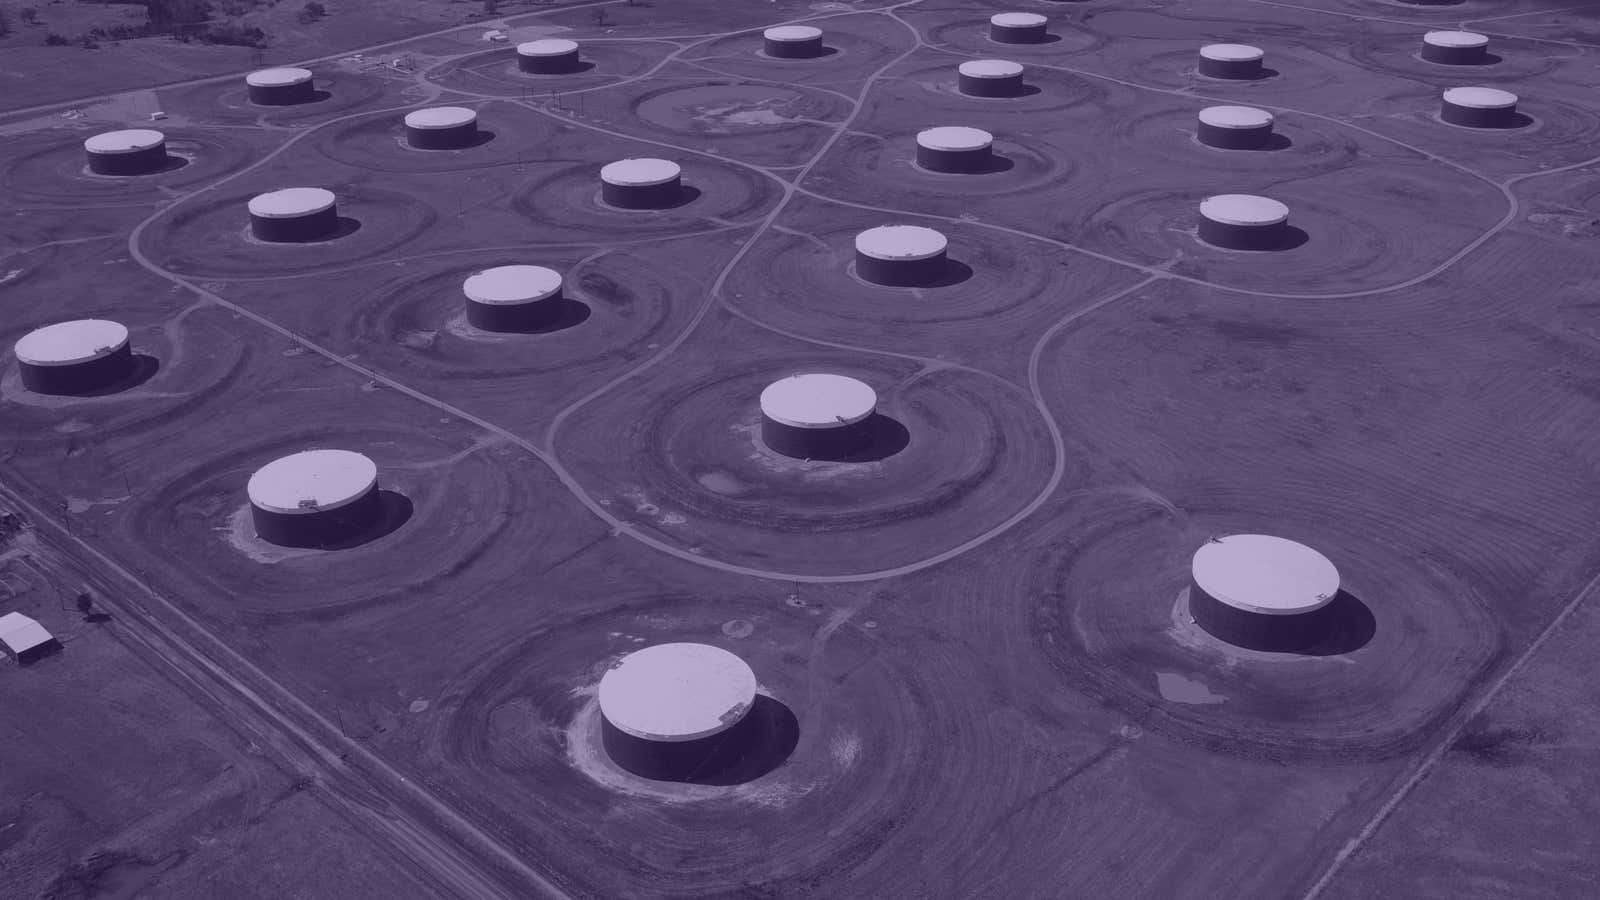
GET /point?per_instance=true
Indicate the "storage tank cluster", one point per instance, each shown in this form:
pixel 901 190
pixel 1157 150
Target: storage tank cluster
pixel 1263 592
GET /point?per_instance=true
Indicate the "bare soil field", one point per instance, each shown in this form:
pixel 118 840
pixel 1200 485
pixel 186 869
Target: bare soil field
pixel 978 674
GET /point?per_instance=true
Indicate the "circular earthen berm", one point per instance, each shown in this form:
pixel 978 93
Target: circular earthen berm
pixel 673 709
pixel 641 183
pixel 792 42
pixel 314 498
pixel 1479 107
pixel 1231 61
pixel 1018 28
pixel 72 358
pixel 134 151
pixel 901 255
pixel 1243 222
pixel 442 128
pixel 1455 48
pixel 280 87
pixel 513 299
pixel 1234 127
pixel 294 215
pixel 990 78
pixel 955 149
pixel 551 56
pixel 817 416
pixel 1262 592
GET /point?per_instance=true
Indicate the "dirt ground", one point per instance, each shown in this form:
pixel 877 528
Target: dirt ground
pixel 977 668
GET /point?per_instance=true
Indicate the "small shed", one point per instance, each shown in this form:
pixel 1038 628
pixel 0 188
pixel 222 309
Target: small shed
pixel 25 639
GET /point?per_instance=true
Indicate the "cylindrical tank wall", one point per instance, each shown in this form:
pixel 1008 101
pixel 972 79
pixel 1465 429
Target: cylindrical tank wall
pixel 80 378
pixel 318 529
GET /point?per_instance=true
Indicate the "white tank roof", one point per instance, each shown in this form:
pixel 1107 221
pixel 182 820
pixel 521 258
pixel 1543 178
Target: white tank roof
pixel 1235 117
pixel 71 343
pixel 277 77
pixel 1480 97
pixel 1455 39
pixel 1231 52
pixel 441 117
pixel 954 138
pixel 792 33
pixel 677 692
pixel 312 481
pixel 640 172
pixel 990 68
pixel 901 243
pixel 1243 210
pixel 817 400
pixel 130 140
pixel 547 47
pixel 1017 19
pixel 21 633
pixel 1262 574
pixel 511 285
pixel 291 202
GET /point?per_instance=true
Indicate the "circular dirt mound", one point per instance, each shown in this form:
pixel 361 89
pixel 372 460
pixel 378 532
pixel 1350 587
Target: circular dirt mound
pixel 439 516
pixel 972 36
pixel 807 284
pixel 1112 617
pixel 1299 146
pixel 178 367
pixel 1353 231
pixel 378 143
pixel 1401 55
pixel 495 71
pixel 889 161
pixel 1550 133
pixel 337 93
pixel 50 168
pixel 211 237
pixel 949 454
pixel 937 88
pixel 721 108
pixel 415 323
pixel 856 736
pixel 568 200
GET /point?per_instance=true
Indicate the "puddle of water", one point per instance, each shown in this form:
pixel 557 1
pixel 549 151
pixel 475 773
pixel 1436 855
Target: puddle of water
pixel 1177 689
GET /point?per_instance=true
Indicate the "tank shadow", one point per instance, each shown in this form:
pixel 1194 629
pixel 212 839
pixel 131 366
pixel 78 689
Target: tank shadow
pixel 317 96
pixel 1265 73
pixel 345 227
pixel 394 510
pixel 823 53
pixel 955 272
pixel 582 67
pixel 173 164
pixel 883 438
pixel 1350 626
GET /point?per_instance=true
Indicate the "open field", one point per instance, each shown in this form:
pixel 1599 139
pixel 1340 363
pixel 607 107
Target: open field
pixel 978 672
